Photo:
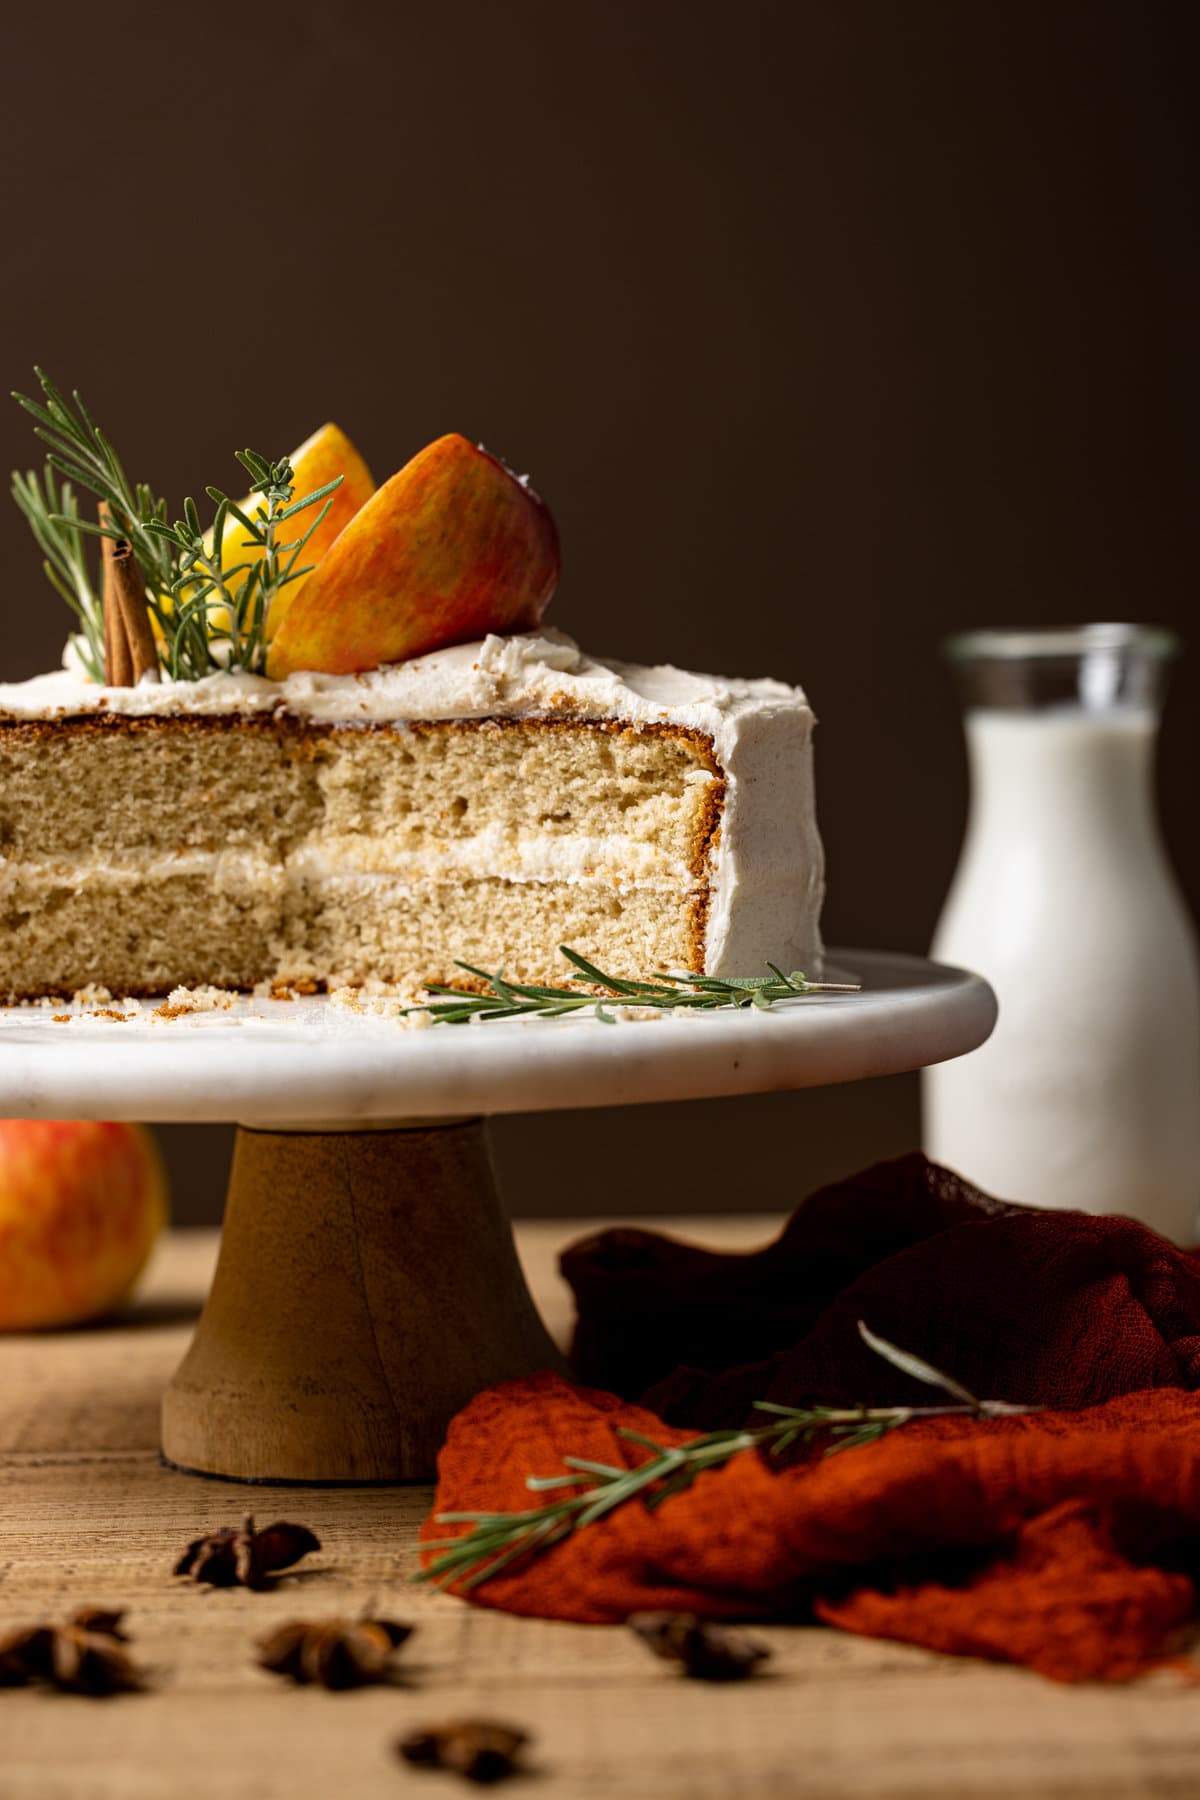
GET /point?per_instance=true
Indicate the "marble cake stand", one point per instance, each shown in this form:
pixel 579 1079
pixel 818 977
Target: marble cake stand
pixel 367 1283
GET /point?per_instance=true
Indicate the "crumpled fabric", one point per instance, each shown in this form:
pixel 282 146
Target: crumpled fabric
pixel 1067 1540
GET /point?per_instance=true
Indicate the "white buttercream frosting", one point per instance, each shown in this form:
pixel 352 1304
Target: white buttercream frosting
pixel 768 876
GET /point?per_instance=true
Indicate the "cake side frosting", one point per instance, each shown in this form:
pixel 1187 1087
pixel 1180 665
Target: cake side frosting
pixel 768 872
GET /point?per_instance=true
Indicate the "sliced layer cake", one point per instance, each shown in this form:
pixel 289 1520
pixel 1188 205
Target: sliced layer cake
pixel 325 739
pixel 482 804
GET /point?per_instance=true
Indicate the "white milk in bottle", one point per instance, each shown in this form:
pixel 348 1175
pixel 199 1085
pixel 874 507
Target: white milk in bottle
pixel 1088 1093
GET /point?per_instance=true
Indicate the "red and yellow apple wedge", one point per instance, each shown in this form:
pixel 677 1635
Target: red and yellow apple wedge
pixel 452 547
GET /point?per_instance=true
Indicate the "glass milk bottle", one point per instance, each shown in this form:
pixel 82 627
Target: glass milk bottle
pixel 1088 1093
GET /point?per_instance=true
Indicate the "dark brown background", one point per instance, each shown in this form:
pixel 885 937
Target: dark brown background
pixel 823 328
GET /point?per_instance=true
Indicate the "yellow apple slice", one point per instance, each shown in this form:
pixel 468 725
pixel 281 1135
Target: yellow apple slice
pixel 324 456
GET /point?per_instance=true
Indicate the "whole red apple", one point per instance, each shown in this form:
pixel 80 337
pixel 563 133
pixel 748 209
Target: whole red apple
pixel 81 1205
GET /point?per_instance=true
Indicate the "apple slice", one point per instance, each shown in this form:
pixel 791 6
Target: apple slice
pixel 452 547
pixel 324 456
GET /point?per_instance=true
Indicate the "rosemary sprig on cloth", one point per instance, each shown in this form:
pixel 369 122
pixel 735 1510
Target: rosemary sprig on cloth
pixel 499 1538
pixel 503 999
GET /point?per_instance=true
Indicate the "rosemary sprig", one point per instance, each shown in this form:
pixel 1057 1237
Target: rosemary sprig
pixel 189 618
pixel 52 513
pixel 79 450
pixel 497 1539
pixel 502 999
pixel 219 611
pixel 211 614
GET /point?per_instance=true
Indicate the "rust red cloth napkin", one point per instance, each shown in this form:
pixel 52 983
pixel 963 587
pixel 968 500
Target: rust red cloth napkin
pixel 1068 1540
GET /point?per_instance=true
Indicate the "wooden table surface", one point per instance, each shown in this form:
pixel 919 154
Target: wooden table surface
pixel 89 1514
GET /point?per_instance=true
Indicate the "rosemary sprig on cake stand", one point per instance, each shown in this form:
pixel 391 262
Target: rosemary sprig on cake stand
pixel 497 1539
pixel 503 999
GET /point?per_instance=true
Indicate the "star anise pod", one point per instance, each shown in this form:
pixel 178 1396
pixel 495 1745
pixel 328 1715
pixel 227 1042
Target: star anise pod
pixel 87 1655
pixel 336 1653
pixel 481 1750
pixel 239 1556
pixel 705 1651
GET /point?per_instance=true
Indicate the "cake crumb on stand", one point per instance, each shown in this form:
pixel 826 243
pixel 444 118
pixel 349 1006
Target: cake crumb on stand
pixel 184 1000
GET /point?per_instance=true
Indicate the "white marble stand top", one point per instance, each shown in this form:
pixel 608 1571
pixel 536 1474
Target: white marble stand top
pixel 316 1065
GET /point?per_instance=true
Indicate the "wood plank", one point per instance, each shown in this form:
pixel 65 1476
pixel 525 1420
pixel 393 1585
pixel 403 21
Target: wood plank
pixel 88 1513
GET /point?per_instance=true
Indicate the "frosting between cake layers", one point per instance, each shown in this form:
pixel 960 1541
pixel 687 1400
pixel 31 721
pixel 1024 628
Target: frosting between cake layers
pixel 767 877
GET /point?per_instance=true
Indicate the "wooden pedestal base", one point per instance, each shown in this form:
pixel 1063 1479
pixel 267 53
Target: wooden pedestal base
pixel 367 1287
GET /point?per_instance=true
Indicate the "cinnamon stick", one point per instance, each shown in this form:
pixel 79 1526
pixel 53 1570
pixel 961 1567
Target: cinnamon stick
pixel 134 649
pixel 118 660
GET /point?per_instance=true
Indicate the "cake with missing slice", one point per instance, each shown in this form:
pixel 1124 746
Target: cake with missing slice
pixel 481 801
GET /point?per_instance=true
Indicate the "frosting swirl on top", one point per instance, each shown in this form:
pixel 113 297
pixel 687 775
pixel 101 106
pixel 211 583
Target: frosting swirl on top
pixel 532 674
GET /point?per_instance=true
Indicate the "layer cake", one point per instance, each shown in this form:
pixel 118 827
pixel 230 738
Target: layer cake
pixel 484 804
